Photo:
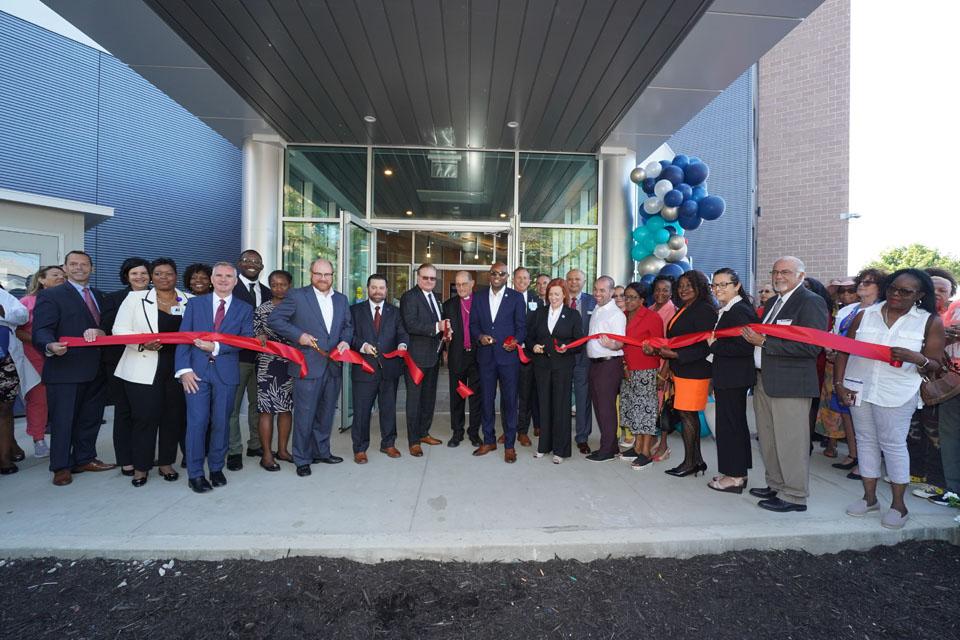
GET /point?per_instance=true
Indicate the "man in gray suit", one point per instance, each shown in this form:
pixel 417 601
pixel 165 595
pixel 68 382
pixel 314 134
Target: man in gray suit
pixel 315 317
pixel 786 383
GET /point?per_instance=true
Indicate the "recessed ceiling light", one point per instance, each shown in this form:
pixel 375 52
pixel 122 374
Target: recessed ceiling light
pixel 513 124
pixel 370 119
pixel 503 215
pixel 409 213
pixel 388 172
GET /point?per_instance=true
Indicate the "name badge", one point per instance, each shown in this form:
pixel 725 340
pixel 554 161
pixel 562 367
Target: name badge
pixel 532 306
pixel 177 310
pixel 785 322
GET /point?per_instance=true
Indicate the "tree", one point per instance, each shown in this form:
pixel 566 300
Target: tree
pixel 915 256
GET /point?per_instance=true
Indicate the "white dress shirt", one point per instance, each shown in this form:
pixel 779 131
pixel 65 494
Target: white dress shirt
pixel 720 312
pixel 495 300
pixel 552 316
pixel 257 295
pixel 606 319
pixel 433 305
pixel 769 318
pixel 325 300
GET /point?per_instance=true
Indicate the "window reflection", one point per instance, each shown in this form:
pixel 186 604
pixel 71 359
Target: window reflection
pixel 558 188
pixel 556 251
pixel 304 242
pixel 322 181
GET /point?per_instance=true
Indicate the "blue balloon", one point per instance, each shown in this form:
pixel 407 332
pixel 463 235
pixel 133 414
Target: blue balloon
pixel 637 253
pixel 661 236
pixel 648 279
pixel 664 164
pixel 684 264
pixel 639 234
pixel 672 198
pixel 690 222
pixel 655 223
pixel 699 193
pixel 644 216
pixel 685 190
pixel 695 173
pixel 681 161
pixel 687 209
pixel 673 174
pixel 694 159
pixel 647 185
pixel 674 227
pixel 711 207
pixel 672 269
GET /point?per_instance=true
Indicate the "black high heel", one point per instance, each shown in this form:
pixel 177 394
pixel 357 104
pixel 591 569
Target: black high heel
pixel 683 472
pixel 139 482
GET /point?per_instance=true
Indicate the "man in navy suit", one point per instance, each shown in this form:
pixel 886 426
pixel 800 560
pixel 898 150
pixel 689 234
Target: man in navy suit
pixel 497 314
pixel 528 407
pixel 377 329
pixel 76 389
pixel 585 304
pixel 253 292
pixel 210 373
pixel 318 319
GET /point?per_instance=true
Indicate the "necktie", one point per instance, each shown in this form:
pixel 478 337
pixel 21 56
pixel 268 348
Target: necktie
pixel 91 305
pixel 573 303
pixel 376 319
pixel 218 317
pixel 775 311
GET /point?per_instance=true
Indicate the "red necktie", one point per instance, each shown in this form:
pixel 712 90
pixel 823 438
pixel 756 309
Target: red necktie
pixel 218 317
pixel 91 305
pixel 573 303
pixel 376 320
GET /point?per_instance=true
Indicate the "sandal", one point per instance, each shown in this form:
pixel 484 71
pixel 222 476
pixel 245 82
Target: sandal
pixel 282 459
pixel 733 488
pixel 664 455
pixel 830 450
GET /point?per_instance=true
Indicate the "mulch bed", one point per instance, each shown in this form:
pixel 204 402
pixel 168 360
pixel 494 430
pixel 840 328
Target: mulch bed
pixel 906 591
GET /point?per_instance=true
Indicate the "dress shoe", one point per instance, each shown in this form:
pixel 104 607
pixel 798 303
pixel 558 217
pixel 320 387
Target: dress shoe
pixel 235 462
pixel 127 472
pixel 360 457
pixel 254 453
pixel 475 441
pixel 454 441
pixel 331 459
pixel 93 465
pixel 510 455
pixel 780 506
pixel 430 440
pixel 536 432
pixel 682 471
pixel 597 456
pixel 217 478
pixel 269 467
pixel 523 439
pixel 303 470
pixel 765 493
pixel 200 485
pixel 392 452
pixel 484 449
pixel 139 482
pixel 6 471
pixel 173 476
pixel 416 451
pixel 584 448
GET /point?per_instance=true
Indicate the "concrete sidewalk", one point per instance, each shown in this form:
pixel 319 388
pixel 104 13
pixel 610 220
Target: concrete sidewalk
pixel 446 505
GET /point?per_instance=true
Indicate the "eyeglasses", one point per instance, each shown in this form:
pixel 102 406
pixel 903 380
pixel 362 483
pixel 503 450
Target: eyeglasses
pixel 784 273
pixel 322 275
pixel 900 291
pixel 864 283
pixel 255 262
pixel 428 277
pixel 498 274
pixel 847 290
pixel 720 285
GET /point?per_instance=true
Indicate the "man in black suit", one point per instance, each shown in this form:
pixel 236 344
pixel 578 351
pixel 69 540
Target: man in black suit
pixel 427 329
pixel 528 406
pixel 786 384
pixel 76 386
pixel 377 329
pixel 250 290
pixel 462 361
pixel 584 304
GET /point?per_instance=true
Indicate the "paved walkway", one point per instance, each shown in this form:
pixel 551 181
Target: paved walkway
pixel 446 505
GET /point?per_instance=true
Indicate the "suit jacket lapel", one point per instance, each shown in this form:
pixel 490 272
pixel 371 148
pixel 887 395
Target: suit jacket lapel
pixel 312 301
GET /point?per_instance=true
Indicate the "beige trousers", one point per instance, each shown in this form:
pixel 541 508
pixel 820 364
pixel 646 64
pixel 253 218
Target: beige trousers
pixel 783 425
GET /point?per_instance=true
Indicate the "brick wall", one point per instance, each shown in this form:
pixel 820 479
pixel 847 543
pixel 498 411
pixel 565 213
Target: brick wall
pixel 804 144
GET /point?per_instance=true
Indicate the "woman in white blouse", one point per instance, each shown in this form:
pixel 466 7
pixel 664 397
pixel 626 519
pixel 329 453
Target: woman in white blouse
pixel 882 397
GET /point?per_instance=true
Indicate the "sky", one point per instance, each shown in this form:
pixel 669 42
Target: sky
pixel 904 126
pixel 40 14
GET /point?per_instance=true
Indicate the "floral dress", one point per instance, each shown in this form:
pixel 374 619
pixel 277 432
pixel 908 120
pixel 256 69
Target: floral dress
pixel 274 382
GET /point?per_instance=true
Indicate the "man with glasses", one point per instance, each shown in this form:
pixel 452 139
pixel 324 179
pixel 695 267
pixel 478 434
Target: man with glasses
pixel 318 319
pixel 420 311
pixel 461 359
pixel 786 384
pixel 250 290
pixel 498 324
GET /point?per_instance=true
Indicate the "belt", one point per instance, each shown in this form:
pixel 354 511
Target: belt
pixel 604 359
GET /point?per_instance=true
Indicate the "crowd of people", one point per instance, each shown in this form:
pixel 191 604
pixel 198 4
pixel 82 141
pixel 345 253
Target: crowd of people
pixel 521 342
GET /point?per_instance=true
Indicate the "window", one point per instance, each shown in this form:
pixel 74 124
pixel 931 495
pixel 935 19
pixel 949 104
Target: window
pixel 320 182
pixel 558 188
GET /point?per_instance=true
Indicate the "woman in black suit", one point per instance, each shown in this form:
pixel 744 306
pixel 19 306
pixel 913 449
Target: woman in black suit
pixel 548 330
pixel 689 366
pixel 734 372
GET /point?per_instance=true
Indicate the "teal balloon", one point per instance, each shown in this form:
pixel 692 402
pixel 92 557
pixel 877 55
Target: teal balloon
pixel 655 224
pixel 640 233
pixel 638 253
pixel 648 244
pixel 661 236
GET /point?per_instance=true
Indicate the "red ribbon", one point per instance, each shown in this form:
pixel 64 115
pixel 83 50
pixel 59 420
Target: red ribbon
pixel 187 337
pixel 520 353
pixel 415 373
pixel 351 356
pixel 463 390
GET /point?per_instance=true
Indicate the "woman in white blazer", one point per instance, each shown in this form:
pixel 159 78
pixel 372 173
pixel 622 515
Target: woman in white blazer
pixel 156 399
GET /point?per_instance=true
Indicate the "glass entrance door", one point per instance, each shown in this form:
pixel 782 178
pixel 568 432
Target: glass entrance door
pixel 357 249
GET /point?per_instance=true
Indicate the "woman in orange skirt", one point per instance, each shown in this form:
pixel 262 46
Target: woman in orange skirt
pixel 689 366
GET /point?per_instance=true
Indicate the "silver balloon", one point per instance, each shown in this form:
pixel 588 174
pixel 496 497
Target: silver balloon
pixel 676 255
pixel 662 188
pixel 653 169
pixel 652 205
pixel 669 213
pixel 638 175
pixel 661 251
pixel 650 264
pixel 676 242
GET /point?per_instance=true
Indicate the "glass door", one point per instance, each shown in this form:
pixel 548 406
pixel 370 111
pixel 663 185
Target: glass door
pixel 357 249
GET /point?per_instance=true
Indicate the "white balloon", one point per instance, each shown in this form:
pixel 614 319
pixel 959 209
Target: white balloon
pixel 669 213
pixel 650 264
pixel 653 169
pixel 676 242
pixel 638 175
pixel 662 187
pixel 661 251
pixel 652 205
pixel 676 255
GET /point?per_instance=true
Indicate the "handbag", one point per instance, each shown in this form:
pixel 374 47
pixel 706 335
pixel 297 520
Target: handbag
pixel 942 384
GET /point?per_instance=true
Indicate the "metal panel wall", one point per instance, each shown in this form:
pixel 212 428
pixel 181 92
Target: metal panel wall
pixel 722 135
pixel 80 124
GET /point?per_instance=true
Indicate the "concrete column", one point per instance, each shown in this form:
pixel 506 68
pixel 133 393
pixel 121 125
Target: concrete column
pixel 260 197
pixel 618 208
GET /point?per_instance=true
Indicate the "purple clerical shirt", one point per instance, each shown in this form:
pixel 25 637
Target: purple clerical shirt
pixel 465 318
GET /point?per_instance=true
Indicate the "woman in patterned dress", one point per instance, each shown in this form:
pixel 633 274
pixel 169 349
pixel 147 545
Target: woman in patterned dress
pixel 274 382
